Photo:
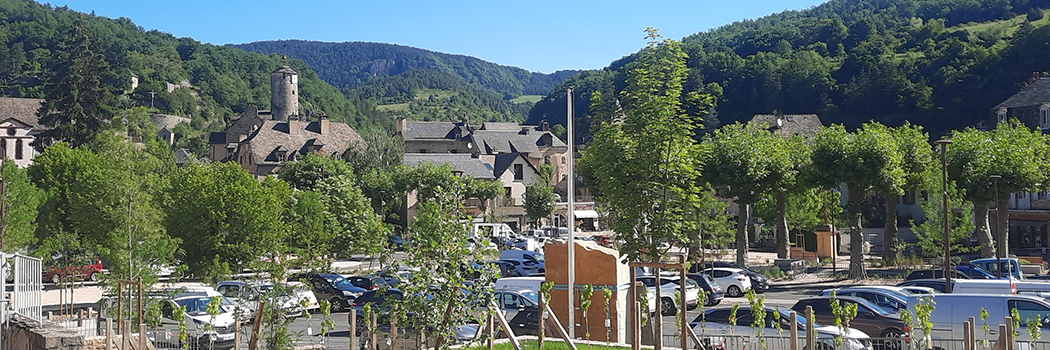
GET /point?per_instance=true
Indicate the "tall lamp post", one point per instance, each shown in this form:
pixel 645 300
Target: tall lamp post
pixel 998 235
pixel 944 217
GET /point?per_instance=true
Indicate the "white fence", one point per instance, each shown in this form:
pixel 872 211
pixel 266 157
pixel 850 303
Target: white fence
pixel 26 298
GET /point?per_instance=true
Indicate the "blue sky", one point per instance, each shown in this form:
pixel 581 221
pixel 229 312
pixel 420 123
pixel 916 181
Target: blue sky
pixel 540 35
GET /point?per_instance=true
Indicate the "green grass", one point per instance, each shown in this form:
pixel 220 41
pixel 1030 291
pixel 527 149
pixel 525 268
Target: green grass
pixel 1007 27
pixel 527 98
pixel 550 345
pixel 394 107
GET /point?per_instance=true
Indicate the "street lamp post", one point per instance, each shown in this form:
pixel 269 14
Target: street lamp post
pixel 998 235
pixel 944 195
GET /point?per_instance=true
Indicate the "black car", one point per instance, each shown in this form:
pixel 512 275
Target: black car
pixel 759 282
pixel 329 286
pixel 378 300
pixel 935 274
pixel 715 294
pixel 367 282
pixel 937 284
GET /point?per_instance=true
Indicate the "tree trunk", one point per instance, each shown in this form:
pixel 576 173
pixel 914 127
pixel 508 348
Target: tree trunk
pixel 856 241
pixel 889 237
pixel 984 230
pixel 783 241
pixel 743 218
pixel 1002 225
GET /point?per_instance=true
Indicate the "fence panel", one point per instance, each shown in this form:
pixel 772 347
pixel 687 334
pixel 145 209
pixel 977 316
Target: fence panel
pixel 29 289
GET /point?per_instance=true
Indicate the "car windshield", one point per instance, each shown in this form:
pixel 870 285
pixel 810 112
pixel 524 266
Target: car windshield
pixel 338 281
pixel 538 257
pixel 195 306
pixel 535 298
pixel 868 304
pixel 982 271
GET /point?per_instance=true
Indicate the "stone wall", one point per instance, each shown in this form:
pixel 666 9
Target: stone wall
pixel 25 334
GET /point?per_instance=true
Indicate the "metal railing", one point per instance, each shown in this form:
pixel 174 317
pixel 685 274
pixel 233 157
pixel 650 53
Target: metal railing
pixel 28 296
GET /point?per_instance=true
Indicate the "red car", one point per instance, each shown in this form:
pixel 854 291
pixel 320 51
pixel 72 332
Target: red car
pixel 89 270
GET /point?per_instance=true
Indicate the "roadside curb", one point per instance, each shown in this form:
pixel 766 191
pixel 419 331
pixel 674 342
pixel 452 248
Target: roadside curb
pixel 796 284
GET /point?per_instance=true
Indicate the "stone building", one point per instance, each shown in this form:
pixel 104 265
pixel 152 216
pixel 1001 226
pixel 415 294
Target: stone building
pixel 262 141
pixel 1031 106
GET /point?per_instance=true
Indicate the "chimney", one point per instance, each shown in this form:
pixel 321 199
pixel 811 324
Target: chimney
pixel 1035 77
pixel 402 124
pixel 544 126
pixel 525 130
pixel 294 124
pixel 466 120
pixel 323 124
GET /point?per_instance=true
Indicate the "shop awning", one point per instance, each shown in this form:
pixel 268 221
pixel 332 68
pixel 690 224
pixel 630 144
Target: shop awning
pixel 585 214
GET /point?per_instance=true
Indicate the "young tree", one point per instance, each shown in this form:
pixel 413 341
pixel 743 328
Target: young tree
pixel 644 165
pixel 1012 151
pixel 539 201
pixel 917 161
pixel 747 161
pixel 864 161
pixel 80 95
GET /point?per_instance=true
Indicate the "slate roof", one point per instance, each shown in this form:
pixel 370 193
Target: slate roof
pixel 285 69
pixel 22 109
pixel 183 156
pixel 500 126
pixel 504 161
pixel 802 124
pixel 1035 94
pixel 432 130
pixel 460 161
pixel 274 134
pixel 512 141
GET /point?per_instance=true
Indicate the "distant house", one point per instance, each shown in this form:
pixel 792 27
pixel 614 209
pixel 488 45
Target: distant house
pixel 183 156
pixel 19 126
pixel 463 164
pixel 1031 106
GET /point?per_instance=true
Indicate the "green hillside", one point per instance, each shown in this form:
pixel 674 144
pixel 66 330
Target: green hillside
pixel 434 95
pixel 212 82
pixel 938 63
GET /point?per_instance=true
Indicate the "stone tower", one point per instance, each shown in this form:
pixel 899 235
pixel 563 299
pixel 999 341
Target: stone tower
pixel 284 93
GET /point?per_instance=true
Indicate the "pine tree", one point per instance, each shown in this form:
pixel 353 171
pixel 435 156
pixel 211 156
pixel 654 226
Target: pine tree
pixel 80 96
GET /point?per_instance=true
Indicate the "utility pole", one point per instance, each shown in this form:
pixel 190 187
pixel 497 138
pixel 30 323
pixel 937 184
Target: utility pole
pixel 571 183
pixel 3 208
pixel 998 234
pixel 944 211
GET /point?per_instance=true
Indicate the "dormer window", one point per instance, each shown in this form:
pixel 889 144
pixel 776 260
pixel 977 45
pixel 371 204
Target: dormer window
pixel 282 154
pixel 1044 117
pixel 1002 115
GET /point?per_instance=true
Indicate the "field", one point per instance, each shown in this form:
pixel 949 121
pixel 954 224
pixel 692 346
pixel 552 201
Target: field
pixel 527 98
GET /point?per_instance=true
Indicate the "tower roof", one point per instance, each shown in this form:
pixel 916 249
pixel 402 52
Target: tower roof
pixel 285 70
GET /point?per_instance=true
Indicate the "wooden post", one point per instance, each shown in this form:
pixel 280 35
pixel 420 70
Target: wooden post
pixel 811 332
pixel 142 336
pixel 374 327
pixel 543 323
pixel 120 304
pixel 973 334
pixel 492 331
pixel 80 318
pixel 557 325
pixel 125 339
pixel 696 339
pixel 393 330
pixel 253 343
pixel 141 311
pixel 353 329
pixel 658 322
pixel 237 333
pixel 1003 343
pixel 636 337
pixel 966 335
pixel 506 326
pixel 794 330
pixel 109 333
pixel 682 304
pixel 1009 333
pixel 448 313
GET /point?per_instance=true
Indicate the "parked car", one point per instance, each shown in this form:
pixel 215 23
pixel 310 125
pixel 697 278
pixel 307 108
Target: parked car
pixel 397 243
pixel 938 273
pixel 521 309
pixel 334 288
pixel 734 281
pixel 1009 267
pixel 714 326
pixel 892 299
pixel 870 319
pixel 669 304
pixel 247 295
pixel 918 290
pixel 367 282
pixel 932 283
pixel 203 330
pixel 522 268
pixel 715 294
pixel 759 281
pixel 89 270
pixel 378 301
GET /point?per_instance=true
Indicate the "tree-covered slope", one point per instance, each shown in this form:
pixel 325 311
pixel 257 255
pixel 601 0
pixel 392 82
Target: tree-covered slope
pixel 349 64
pixel 434 95
pixel 938 63
pixel 211 83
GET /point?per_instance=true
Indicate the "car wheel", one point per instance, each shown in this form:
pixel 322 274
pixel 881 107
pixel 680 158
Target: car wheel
pixel 667 307
pixel 893 339
pixel 56 279
pixel 337 305
pixel 93 277
pixel 734 291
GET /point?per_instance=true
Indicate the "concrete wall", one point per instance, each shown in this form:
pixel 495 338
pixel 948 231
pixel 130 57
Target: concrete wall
pixel 597 266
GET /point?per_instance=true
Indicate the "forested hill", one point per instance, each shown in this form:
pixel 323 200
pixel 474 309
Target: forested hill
pixel 209 83
pixel 939 63
pixel 350 64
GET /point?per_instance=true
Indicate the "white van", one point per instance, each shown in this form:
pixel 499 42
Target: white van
pixel 518 284
pixel 952 309
pixel 990 287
